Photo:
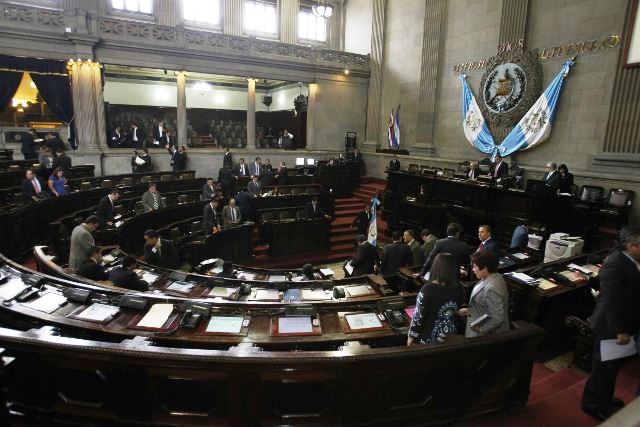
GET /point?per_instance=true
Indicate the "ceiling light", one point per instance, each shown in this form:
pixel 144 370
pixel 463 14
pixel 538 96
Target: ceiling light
pixel 322 9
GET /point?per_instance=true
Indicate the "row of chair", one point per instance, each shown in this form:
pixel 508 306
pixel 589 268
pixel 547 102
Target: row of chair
pixel 109 183
pixel 283 215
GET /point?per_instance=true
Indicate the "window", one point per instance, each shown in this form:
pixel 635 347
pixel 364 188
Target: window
pixel 135 6
pixel 260 16
pixel 311 27
pixel 202 11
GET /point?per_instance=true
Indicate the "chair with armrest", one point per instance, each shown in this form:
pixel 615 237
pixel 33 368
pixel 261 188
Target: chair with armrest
pixel 85 186
pixel 166 178
pixel 138 208
pixel 287 215
pixel 146 178
pixel 301 214
pixel 267 217
pixel 196 227
pixel 296 191
pixel 175 234
pixel 106 183
pixel 413 168
pixel 126 181
pixel 615 212
pixel 184 198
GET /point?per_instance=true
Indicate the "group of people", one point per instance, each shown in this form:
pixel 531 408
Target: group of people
pixel 141 161
pixel 136 137
pixel 260 175
pixel 34 189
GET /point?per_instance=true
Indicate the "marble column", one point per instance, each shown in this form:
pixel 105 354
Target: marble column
pixel 251 112
pixel 289 21
pixel 167 12
pixel 181 107
pixel 311 115
pixel 86 91
pixel 432 46
pixel 233 17
pixel 374 96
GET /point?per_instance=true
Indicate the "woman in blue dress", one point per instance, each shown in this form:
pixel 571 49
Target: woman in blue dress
pixel 437 303
pixel 57 182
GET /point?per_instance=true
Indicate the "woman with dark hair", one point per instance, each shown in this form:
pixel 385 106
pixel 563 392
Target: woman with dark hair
pixel 307 272
pixel 566 180
pixel 436 303
pixel 57 182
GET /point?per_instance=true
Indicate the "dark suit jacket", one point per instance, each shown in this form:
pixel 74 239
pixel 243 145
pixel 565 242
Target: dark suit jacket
pixel 242 201
pixel 617 307
pixel 210 218
pixel 395 255
pixel 140 134
pixel 28 190
pixel 126 278
pixel 225 177
pixel 452 245
pixel 116 139
pixel 310 214
pixel 27 146
pixel 266 177
pixel 491 246
pixel 394 165
pixel 63 162
pixel 91 270
pixel 502 171
pixel 281 175
pixel 361 222
pixel 105 211
pixel 236 170
pixel 167 257
pixel 175 160
pixel 552 181
pixel 160 136
pixel 365 260
pixel 54 144
pixel 226 160
pixel 208 192
pixel 254 189
pixel 566 182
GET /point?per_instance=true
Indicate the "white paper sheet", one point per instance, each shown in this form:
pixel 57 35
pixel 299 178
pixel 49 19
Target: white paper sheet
pixel 349 268
pixel 523 277
pixel 182 287
pixel 267 295
pixel 12 288
pixel 246 276
pixel 580 269
pixel 314 295
pixel 294 325
pixel 611 350
pixel 520 255
pixel 157 316
pixel 216 270
pixel 149 277
pixel 277 278
pixel 220 291
pixel 363 321
pixel 225 324
pixel 48 302
pixel 479 320
pixel 98 312
pixel 327 272
pixel 356 291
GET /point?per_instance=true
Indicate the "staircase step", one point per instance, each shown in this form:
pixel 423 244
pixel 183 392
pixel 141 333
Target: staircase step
pixel 540 372
pixel 553 384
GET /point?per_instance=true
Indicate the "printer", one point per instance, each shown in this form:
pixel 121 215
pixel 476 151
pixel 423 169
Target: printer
pixel 561 245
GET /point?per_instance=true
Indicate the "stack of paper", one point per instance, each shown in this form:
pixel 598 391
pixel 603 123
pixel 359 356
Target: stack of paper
pixel 520 255
pixel 267 295
pixel 48 303
pixel 314 295
pixel 157 316
pixel 276 278
pixel 149 277
pixel 581 269
pixel 219 291
pixel 294 325
pixel 363 321
pixel 524 278
pixel 98 312
pixel 12 288
pixel 545 284
pixel 360 290
pixel 327 272
pixel 225 324
pixel 182 287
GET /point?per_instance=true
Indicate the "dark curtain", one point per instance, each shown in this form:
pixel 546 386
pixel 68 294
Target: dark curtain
pixel 9 82
pixel 33 64
pixel 56 92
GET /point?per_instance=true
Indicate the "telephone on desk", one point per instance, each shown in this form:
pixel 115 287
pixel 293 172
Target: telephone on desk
pixel 395 318
pixel 190 320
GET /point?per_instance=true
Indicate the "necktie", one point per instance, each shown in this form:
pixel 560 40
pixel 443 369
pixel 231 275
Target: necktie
pixel 257 169
pixel 155 202
pixel 36 185
pixel 233 215
pixel 135 134
pixel 481 247
pixel 242 169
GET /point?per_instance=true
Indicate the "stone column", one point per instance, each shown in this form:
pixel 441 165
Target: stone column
pixel 311 115
pixel 432 43
pixel 233 17
pixel 85 88
pixel 181 107
pixel 167 12
pixel 289 21
pixel 374 98
pixel 251 112
pixel 98 97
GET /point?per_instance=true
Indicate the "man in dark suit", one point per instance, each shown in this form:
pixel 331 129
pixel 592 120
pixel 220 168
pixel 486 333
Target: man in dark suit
pixel 552 176
pixel 28 145
pixel 395 255
pixel 159 135
pixel 225 179
pixel 242 200
pixel 210 217
pixel 106 208
pixel 175 158
pixel 254 188
pixel 363 220
pixel 313 210
pixel 226 159
pixel 256 167
pixel 266 177
pixel 241 169
pixel 61 161
pixel 116 138
pixel 487 244
pixel 33 189
pixel 125 277
pixel 281 174
pixel 92 268
pixel 450 244
pixel 366 257
pixel 616 317
pixel 409 238
pixel 394 164
pixel 53 142
pixel 160 252
pixel 499 169
pixel 208 189
pixel 474 171
pixel 136 136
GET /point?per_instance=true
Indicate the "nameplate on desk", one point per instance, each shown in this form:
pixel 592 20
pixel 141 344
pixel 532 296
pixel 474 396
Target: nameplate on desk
pixel 225 324
pixel 295 325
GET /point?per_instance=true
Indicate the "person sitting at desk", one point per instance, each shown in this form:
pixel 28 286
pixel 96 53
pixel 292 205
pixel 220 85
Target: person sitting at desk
pixel 227 271
pixel 450 244
pixel 313 210
pixel 428 242
pixel 366 257
pixel 566 180
pixel 125 277
pixel 552 176
pixel 57 182
pixel 394 164
pixel 231 214
pixel 152 199
pixel 363 220
pixel 160 252
pixel 395 255
pixel 254 188
pixel 62 161
pixel 282 174
pixel 499 169
pixel 210 217
pixel 307 272
pixel 32 188
pixel 82 242
pixel 474 171
pixel 487 244
pixel 241 169
pixel 437 303
pixel 92 268
pixel 409 238
pixel 208 189
pixel 520 237
pixel 489 296
pixel 106 208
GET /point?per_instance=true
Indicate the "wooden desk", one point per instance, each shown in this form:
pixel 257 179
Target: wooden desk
pixel 299 236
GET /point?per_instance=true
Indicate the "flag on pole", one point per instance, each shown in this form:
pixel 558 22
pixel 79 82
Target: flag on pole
pixel 372 235
pixel 396 129
pixel 391 130
pixel 475 127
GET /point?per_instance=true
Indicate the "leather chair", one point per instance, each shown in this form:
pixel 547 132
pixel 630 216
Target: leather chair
pixel 126 181
pixel 615 212
pixel 301 214
pixel 267 217
pixel 449 172
pixel 119 209
pixel 166 178
pixel 196 227
pixel 146 178
pixel 413 168
pixel 14 168
pixel 138 208
pixel 591 194
pixel 296 191
pixel 184 198
pixel 169 201
pixel 287 215
pixel 106 183
pixel 85 186
pixel 175 233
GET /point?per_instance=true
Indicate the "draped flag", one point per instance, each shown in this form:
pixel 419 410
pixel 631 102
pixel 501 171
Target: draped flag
pixel 532 129
pixel 372 235
pixel 391 130
pixel 396 129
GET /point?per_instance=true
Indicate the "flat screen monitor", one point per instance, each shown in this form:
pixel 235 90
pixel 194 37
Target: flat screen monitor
pixel 311 162
pixel 299 161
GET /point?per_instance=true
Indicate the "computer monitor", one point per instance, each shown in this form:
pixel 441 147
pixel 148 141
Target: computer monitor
pixel 299 161
pixel 311 162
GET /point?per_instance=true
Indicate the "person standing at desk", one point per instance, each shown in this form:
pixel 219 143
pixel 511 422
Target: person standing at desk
pixel 159 135
pixel 428 242
pixel 487 244
pixel 33 189
pixel 520 237
pixel 282 174
pixel 28 145
pixel 409 238
pixel 152 199
pixel 125 277
pixel 615 317
pixel 255 168
pixel 208 190
pixel 366 257
pixel 136 136
pixel 394 164
pixel 226 158
pixel 552 176
pixel 175 158
pixel 57 182
pixel 254 188
pixel 231 214
pixel 210 217
pixel 395 255
pixel 241 169
pixel 499 169
pixel 313 210
pixel 450 244
pixel 160 252
pixel 242 200
pixel 566 180
pixel 92 268
pixel 363 220
pixel 106 208
pixel 225 179
pixel 82 242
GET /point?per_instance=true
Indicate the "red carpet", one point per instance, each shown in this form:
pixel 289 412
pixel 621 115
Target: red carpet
pixel 555 398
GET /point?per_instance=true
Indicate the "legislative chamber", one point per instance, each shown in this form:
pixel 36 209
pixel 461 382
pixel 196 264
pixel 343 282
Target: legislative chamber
pixel 319 212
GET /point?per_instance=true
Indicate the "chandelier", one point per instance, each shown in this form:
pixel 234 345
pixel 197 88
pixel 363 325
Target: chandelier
pixel 322 9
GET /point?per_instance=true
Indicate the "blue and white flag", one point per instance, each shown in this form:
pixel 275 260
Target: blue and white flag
pixel 396 129
pixel 372 235
pixel 535 126
pixel 475 127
